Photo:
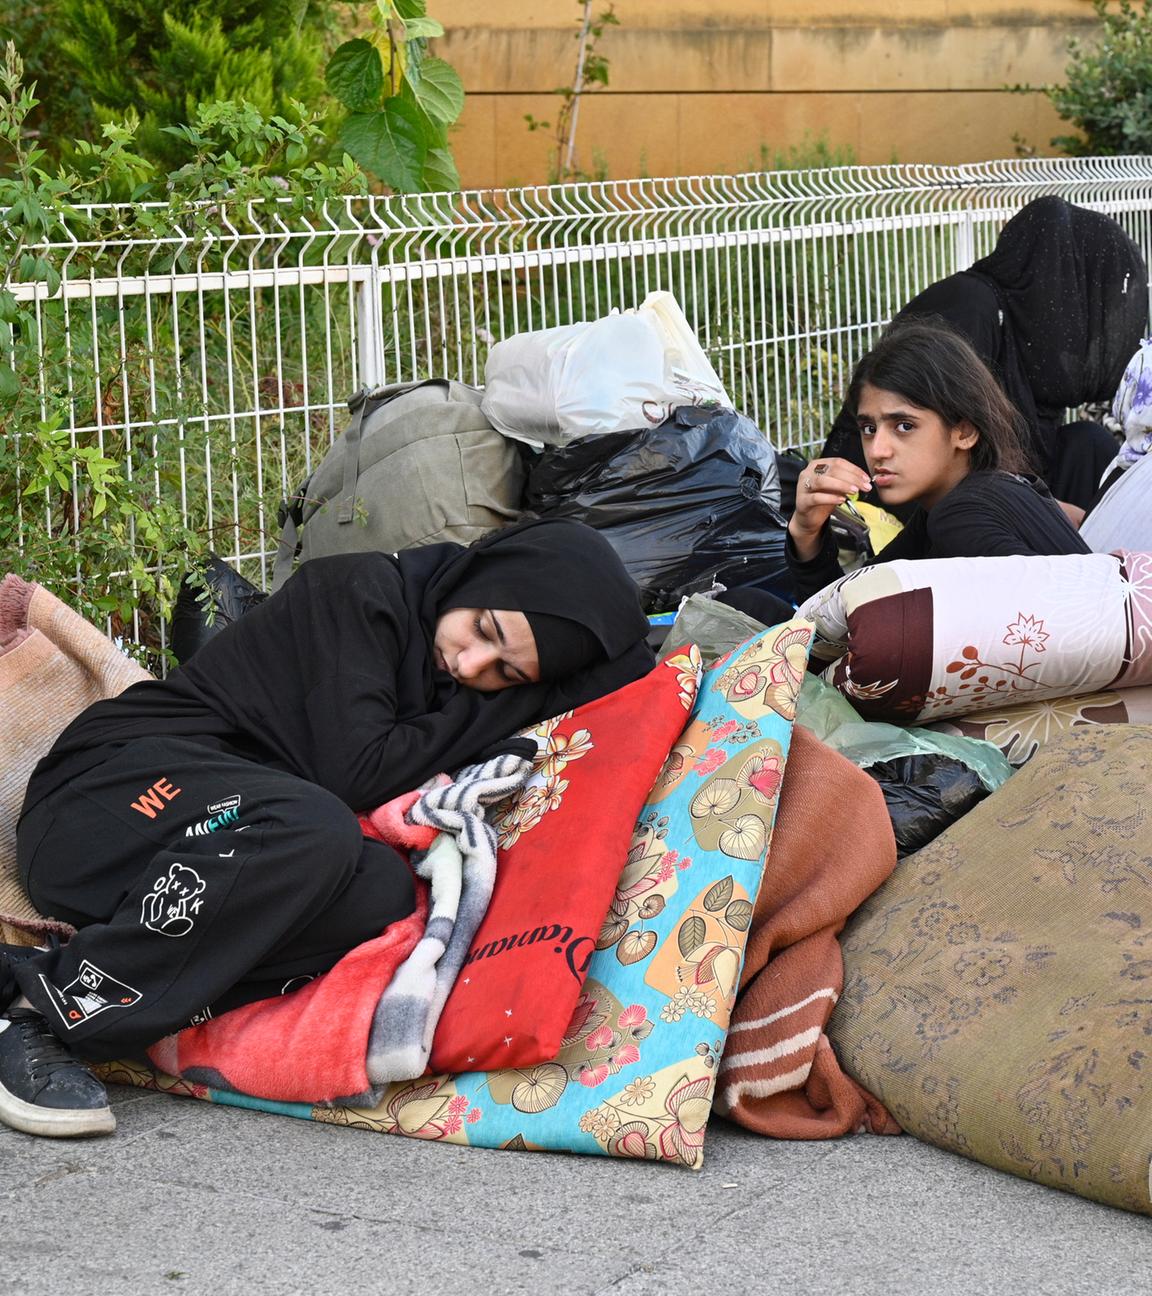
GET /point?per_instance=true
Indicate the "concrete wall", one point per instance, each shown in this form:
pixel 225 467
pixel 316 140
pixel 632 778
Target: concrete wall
pixel 706 87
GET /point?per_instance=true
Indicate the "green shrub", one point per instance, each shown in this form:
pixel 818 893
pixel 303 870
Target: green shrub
pixel 97 61
pixel 1108 93
pixel 92 501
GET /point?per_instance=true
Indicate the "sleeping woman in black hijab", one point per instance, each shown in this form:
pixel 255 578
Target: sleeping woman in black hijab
pixel 1055 311
pixel 200 831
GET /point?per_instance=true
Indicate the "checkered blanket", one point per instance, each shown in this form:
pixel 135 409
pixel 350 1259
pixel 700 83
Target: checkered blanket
pixel 460 869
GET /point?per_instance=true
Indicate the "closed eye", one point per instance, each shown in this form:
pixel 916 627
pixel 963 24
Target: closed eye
pixel 495 633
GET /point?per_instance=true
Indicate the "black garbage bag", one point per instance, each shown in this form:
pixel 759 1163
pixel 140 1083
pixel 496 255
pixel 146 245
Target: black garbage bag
pixel 685 504
pixel 221 588
pixel 925 794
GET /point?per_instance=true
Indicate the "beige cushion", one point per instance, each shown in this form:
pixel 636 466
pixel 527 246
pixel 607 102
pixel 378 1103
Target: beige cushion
pixel 998 988
pixel 1020 731
pixel 53 664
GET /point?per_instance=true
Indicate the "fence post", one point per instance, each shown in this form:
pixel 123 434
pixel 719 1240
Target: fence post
pixel 369 330
pixel 964 240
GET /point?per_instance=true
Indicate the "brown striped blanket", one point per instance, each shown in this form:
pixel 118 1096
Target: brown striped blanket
pixel 831 848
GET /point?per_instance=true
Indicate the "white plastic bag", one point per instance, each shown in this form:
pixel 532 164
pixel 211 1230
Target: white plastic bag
pixel 616 374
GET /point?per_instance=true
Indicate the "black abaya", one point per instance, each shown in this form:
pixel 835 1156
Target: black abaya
pixel 333 678
pixel 200 830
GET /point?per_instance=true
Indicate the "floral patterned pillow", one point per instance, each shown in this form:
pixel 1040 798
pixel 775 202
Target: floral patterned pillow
pixel 1020 731
pixel 996 986
pixel 912 642
pixel 637 1069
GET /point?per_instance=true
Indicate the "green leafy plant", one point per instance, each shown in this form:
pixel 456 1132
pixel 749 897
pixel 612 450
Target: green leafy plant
pixel 592 69
pixel 401 100
pixel 101 60
pixel 89 494
pixel 1107 95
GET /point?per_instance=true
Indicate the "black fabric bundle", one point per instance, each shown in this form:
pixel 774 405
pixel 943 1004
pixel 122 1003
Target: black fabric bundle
pixel 1073 288
pixel 1056 311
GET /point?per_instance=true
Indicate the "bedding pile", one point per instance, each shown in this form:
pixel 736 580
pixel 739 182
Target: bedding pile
pixel 713 973
pixel 637 1068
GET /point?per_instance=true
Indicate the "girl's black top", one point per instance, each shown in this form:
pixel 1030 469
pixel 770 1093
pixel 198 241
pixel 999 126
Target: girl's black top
pixel 986 515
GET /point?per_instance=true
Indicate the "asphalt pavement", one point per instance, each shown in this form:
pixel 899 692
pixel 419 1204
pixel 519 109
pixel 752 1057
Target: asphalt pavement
pixel 188 1197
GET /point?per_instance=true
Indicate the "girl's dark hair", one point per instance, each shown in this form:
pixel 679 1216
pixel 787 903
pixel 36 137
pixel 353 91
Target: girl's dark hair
pixel 932 366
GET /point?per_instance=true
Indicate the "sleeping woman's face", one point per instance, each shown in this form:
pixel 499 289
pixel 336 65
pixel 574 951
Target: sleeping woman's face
pixel 486 649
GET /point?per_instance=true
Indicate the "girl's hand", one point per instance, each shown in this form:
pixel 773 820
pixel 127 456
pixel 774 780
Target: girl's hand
pixel 823 486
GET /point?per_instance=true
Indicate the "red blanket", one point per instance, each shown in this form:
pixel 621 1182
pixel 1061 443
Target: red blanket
pixel 831 848
pixel 310 1045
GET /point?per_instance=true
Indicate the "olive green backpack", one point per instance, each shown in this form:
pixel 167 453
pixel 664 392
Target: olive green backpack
pixel 418 463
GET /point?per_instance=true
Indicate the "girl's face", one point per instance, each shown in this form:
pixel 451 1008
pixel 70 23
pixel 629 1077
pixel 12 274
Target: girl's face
pixel 913 455
pixel 486 649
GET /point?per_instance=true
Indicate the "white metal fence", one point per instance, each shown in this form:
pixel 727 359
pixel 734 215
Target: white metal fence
pixel 218 351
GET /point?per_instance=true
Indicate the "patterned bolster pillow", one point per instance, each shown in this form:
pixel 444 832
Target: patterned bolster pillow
pixel 919 641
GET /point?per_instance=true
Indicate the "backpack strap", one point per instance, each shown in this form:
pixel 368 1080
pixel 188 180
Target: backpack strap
pixel 357 405
pixel 291 517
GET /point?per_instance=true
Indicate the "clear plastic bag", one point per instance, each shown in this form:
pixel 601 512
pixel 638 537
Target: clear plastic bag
pixel 834 720
pixel 616 374
pixel 715 628
pixel 929 779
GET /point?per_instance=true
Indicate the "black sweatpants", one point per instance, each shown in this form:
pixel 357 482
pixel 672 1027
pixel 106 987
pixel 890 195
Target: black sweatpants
pixel 199 881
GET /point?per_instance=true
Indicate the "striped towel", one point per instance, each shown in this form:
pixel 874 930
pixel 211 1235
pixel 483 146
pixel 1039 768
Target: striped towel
pixel 460 868
pixel 832 846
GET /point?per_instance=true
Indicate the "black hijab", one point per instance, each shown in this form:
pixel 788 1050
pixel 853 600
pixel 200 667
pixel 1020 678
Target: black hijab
pixel 1074 291
pixel 568 580
pixel 555 567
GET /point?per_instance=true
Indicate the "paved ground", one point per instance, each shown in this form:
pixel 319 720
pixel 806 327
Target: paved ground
pixel 192 1198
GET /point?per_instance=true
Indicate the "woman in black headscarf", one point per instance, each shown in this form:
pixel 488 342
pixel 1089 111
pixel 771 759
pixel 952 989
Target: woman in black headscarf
pixel 1055 311
pixel 200 832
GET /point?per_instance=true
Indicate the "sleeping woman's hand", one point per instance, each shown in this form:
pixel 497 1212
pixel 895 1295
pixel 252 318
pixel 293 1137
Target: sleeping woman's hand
pixel 823 486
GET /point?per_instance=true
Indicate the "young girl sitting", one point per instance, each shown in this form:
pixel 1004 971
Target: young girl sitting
pixel 938 432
